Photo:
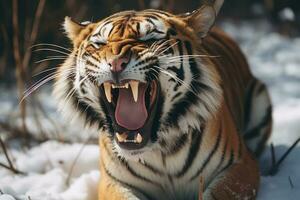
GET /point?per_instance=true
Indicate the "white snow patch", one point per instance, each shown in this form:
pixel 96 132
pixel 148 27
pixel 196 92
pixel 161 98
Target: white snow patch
pixel 48 166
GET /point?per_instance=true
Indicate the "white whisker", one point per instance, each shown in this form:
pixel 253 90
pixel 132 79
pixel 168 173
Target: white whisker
pixel 53 50
pixel 51 45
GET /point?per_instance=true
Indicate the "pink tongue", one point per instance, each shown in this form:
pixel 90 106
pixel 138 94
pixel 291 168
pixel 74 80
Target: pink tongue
pixel 129 114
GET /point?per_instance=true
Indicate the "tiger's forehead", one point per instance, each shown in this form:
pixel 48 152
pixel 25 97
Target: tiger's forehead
pixel 142 27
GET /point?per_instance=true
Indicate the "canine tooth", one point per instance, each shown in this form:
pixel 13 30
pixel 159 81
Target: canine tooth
pixel 139 138
pixel 107 90
pixel 134 89
pixel 121 137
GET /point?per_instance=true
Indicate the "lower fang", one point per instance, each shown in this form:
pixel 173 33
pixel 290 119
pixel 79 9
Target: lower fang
pixel 139 138
pixel 121 137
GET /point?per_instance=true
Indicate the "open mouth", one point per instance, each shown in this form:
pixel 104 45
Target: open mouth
pixel 131 106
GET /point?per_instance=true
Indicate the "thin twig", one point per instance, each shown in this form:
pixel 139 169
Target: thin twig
pixel 11 169
pixel 5 45
pixel 16 132
pixel 5 153
pixel 10 165
pixel 76 159
pixel 273 154
pixel 20 71
pixel 274 168
pixel 291 182
pixel 34 32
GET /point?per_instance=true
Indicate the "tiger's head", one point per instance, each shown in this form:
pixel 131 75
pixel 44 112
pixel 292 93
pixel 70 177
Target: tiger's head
pixel 141 76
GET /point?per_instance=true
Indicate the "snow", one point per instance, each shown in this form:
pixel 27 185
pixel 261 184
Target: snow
pixel 273 58
pixel 48 166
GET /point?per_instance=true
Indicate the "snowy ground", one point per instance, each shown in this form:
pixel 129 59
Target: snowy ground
pixel 273 58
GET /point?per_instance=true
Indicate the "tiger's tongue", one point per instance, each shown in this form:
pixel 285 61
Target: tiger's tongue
pixel 129 114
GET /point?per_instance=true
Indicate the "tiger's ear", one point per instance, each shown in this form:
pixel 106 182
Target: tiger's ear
pixel 72 28
pixel 203 19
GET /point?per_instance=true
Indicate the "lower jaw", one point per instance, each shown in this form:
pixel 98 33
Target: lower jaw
pixel 132 143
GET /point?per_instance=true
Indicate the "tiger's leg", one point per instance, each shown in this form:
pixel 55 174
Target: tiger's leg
pixel 258 116
pixel 239 181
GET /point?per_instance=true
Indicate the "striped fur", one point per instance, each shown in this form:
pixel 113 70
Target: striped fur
pixel 210 110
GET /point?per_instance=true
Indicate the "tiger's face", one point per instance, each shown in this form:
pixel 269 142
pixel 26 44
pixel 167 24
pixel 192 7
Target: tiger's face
pixel 142 77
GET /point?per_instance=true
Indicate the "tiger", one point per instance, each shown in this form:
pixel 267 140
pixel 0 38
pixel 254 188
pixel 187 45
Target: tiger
pixel 178 111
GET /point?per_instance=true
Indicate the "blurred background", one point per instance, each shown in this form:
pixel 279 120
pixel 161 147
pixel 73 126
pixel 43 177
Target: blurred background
pixel 33 44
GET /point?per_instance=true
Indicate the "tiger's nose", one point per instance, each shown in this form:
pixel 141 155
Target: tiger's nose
pixel 117 65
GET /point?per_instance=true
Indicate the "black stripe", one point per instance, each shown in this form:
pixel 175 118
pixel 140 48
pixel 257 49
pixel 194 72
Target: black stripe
pixel 138 27
pixel 152 169
pixel 107 22
pixel 194 148
pixel 178 144
pixel 240 148
pixel 122 30
pixel 255 132
pixel 176 95
pixel 93 56
pixel 147 16
pixel 157 31
pixel 111 155
pixel 229 163
pixel 110 31
pixel 153 15
pixel 138 176
pixel 163 159
pixel 129 26
pixel 260 88
pixel 156 13
pixel 88 62
pixel 157 118
pixel 130 186
pixel 261 144
pixel 189 99
pixel 179 74
pixel 150 21
pixel 222 158
pixel 171 32
pixel 209 157
pixel 248 103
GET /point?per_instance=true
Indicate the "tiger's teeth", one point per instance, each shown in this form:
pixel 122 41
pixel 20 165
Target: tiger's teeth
pixel 121 137
pixel 134 85
pixel 107 90
pixel 139 138
pixel 126 85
